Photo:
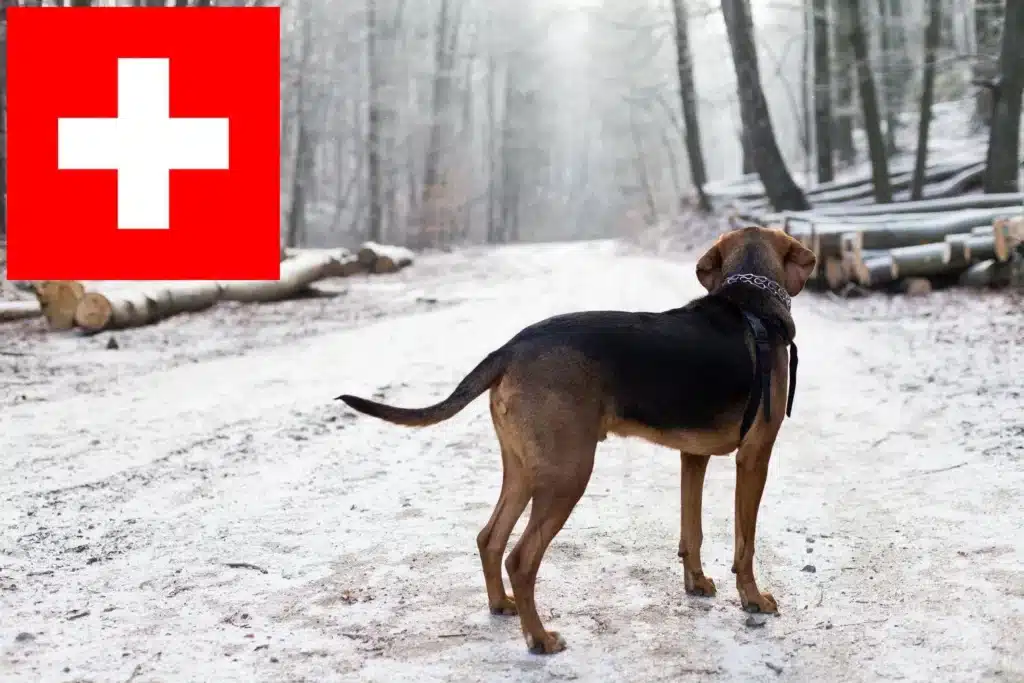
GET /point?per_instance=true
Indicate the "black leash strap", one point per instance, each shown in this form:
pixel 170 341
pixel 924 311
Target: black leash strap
pixel 761 392
pixel 792 378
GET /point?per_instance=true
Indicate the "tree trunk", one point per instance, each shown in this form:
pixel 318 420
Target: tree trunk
pixel 894 68
pixel 433 191
pixel 748 153
pixel 922 259
pixel 988 21
pixel 931 44
pixel 688 98
pixel 374 230
pixel 899 78
pixel 778 183
pixel 844 101
pixel 822 92
pixel 857 40
pixel 303 151
pixel 19 310
pixel 1002 162
pixel 493 231
pixel 122 307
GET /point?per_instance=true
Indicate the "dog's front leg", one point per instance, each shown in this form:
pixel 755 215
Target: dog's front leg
pixel 691 534
pixel 751 473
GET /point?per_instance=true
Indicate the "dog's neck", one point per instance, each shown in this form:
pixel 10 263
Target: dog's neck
pixel 761 296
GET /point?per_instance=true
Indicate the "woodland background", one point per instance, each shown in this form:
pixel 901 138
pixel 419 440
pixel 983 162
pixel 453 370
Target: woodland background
pixel 442 122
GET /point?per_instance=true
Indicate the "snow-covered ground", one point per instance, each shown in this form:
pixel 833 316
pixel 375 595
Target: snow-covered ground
pixel 194 506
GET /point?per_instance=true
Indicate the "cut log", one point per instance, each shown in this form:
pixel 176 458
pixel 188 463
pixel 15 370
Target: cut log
pixel 877 270
pixel 960 249
pixel 1007 233
pixel 1009 200
pixel 19 310
pixel 982 247
pixel 384 258
pixel 895 232
pixel 835 276
pixel 58 300
pixel 922 260
pixel 121 307
pixel 297 274
pixel 851 245
pixel 349 262
pixel 998 240
pixel 989 273
pixel 915 286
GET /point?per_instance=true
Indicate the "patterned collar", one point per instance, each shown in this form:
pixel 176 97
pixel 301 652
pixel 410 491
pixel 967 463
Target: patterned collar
pixel 763 283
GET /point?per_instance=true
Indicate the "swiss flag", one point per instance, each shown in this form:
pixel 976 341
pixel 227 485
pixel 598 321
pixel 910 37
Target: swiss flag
pixel 143 143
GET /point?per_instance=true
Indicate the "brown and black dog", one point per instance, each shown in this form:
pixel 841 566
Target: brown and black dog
pixel 694 379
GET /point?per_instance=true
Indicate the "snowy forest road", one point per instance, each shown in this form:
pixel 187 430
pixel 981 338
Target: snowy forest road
pixel 216 516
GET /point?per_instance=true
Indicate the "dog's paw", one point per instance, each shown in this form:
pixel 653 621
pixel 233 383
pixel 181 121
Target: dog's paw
pixel 506 608
pixel 698 584
pixel 756 601
pixel 552 643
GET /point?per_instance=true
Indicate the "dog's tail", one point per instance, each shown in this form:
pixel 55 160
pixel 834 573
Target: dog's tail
pixel 472 385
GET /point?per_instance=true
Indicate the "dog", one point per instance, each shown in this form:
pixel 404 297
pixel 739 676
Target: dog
pixel 694 379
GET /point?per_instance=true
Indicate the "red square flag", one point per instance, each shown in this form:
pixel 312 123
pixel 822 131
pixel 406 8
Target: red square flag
pixel 143 143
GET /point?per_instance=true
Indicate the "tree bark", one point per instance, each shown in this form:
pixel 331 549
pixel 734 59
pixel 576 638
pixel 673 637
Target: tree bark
pixel 374 230
pixel 988 273
pixel 748 153
pixel 923 259
pixel 1002 162
pixel 433 191
pixel 857 40
pixel 302 169
pixel 844 100
pixel 988 21
pixel 19 310
pixel 822 92
pixel 782 191
pixel 688 99
pixel 931 44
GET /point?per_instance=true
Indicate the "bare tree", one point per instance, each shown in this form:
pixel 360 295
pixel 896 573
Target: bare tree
pixel 778 183
pixel 844 111
pixel 931 45
pixel 857 39
pixel 988 25
pixel 375 228
pixel 1003 161
pixel 304 148
pixel 688 99
pixel 822 92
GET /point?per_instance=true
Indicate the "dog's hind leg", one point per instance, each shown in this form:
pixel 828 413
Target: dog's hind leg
pixel 551 508
pixel 493 538
pixel 691 534
pixel 751 474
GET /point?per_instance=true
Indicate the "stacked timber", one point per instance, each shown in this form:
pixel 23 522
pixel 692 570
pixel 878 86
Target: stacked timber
pixel 953 235
pixel 975 247
pixel 92 307
pixel 943 180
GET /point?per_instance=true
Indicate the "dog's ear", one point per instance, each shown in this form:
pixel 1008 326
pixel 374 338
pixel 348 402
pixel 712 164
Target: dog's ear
pixel 709 268
pixel 798 263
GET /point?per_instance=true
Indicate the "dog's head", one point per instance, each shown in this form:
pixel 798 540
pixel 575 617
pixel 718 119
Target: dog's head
pixel 755 250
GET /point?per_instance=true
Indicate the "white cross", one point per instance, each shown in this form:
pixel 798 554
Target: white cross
pixel 142 144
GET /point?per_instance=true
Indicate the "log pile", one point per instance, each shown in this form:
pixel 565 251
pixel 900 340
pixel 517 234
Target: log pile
pixel 969 247
pixel 92 307
pixel 953 236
